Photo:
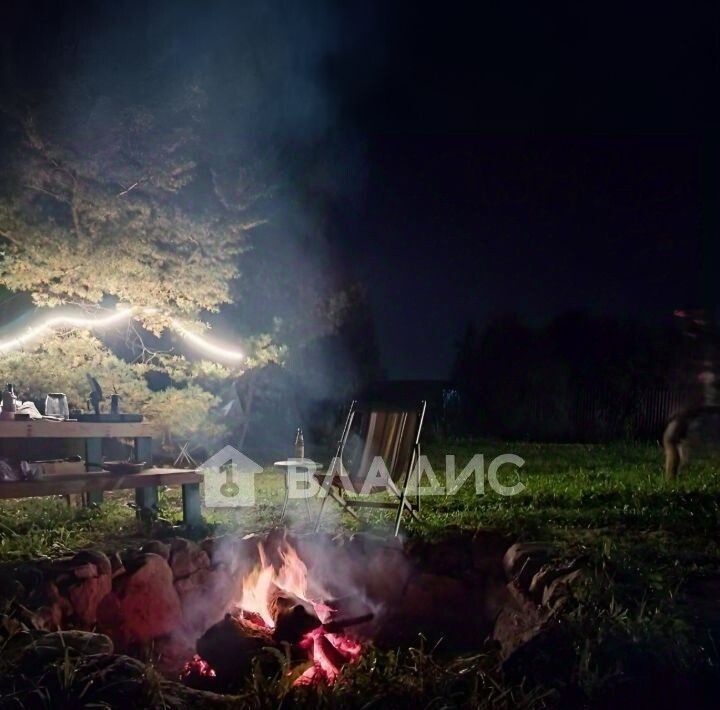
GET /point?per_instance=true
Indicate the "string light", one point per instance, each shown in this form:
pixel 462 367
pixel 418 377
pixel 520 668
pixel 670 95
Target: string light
pixel 34 332
pixel 204 344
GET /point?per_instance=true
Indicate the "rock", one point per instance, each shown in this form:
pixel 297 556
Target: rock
pixel 30 576
pixel 50 615
pixel 488 550
pixel 204 597
pixel 116 564
pixel 211 545
pixel 430 606
pixel 376 565
pixel 10 587
pixel 546 575
pixel 523 561
pixel 239 555
pixel 384 574
pixel 515 625
pixel 83 565
pixel 85 571
pixel 451 556
pixel 99 559
pixel 133 559
pixel 516 555
pixel 367 542
pixel 143 604
pixel 85 598
pixel 157 548
pixel 559 590
pixel 56 644
pixel 47 618
pixel 114 681
pixel 186 557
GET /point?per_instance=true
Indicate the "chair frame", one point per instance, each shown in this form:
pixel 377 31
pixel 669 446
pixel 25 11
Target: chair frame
pixel 399 488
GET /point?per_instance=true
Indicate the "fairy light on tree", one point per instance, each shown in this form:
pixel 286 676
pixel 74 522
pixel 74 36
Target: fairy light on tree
pixel 37 330
pixel 101 215
pixel 130 195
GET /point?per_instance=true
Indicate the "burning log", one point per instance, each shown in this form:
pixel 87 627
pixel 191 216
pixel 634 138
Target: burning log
pixel 293 622
pixel 230 646
pixel 275 609
pixel 329 653
pixel 336 626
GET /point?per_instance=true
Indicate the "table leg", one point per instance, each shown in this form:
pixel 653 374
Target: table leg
pixel 309 473
pixel 287 497
pixel 191 504
pixel 307 508
pixel 146 499
pixel 93 462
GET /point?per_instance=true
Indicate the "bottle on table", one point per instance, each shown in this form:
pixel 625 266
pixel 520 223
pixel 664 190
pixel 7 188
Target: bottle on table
pixel 299 444
pixel 8 402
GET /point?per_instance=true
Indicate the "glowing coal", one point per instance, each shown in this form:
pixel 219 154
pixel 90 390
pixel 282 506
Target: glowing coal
pixel 276 607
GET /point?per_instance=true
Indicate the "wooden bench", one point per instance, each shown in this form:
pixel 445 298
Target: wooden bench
pixel 93 483
pixel 145 484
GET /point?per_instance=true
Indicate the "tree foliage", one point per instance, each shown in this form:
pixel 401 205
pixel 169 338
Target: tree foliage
pixel 107 208
pixel 180 181
pixel 108 212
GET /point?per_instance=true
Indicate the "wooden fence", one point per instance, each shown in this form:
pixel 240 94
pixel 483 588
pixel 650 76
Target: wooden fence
pixel 589 413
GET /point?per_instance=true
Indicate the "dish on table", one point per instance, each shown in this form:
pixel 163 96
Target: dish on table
pixel 123 466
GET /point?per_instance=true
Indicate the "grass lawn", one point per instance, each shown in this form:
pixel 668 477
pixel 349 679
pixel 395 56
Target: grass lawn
pixel 648 542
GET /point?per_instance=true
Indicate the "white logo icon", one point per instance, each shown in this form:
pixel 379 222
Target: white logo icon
pixel 229 479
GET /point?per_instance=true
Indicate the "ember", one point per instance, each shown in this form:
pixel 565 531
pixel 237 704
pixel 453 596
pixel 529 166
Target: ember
pixel 275 606
pixel 329 653
pixel 196 666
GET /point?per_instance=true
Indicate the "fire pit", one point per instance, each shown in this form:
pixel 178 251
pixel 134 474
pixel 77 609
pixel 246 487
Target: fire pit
pixel 278 607
pixel 320 600
pixel 215 611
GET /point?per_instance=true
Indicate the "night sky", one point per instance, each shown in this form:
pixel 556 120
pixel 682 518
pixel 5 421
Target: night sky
pixel 532 162
pixel 481 161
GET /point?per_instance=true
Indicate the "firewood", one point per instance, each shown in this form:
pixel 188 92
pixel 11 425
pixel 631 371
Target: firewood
pixel 293 622
pixel 230 647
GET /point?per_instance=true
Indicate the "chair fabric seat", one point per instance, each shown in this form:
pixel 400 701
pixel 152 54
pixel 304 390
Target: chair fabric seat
pixel 375 435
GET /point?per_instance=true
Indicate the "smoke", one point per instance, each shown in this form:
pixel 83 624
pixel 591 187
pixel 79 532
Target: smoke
pixel 254 89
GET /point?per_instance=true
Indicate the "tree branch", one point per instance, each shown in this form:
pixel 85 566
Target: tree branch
pixel 47 192
pixel 132 187
pixel 9 237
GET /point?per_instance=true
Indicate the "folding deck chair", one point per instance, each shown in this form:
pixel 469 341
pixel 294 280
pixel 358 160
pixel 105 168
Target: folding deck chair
pixel 372 430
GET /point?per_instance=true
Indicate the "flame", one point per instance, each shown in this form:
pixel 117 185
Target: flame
pixel 329 652
pixel 256 593
pixel 293 575
pixel 258 586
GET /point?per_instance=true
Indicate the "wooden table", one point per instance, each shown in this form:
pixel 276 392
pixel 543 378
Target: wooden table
pixel 95 482
pixel 145 482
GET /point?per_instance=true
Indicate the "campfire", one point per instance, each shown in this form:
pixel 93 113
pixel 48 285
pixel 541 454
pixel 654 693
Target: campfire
pixel 218 612
pixel 279 606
